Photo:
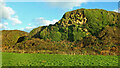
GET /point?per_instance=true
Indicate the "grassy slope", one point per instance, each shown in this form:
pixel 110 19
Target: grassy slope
pixel 16 59
pixel 10 37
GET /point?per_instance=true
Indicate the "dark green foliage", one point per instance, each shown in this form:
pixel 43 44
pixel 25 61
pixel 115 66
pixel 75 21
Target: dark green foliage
pixel 64 36
pixel 79 36
pixel 55 36
pixel 23 38
pixel 51 32
pixel 35 33
pixel 70 33
pixel 81 31
pixel 94 21
pixel 97 20
pixel 44 34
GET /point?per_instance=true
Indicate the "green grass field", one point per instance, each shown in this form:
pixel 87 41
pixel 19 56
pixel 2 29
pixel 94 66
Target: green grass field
pixel 17 59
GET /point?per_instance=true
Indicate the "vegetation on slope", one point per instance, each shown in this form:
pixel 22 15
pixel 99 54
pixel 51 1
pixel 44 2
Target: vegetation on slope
pixel 77 24
pixel 11 37
pixel 82 31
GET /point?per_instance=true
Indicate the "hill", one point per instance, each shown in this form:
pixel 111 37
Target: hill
pixel 11 37
pixel 81 31
pixel 77 24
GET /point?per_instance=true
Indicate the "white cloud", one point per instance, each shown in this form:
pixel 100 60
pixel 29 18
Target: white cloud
pixel 1 26
pixel 69 5
pixel 8 13
pixel 61 0
pixel 2 2
pixel 43 22
pixel 39 22
pixel 15 20
pixel 28 28
pixel 4 25
pixel 115 10
pixel 29 24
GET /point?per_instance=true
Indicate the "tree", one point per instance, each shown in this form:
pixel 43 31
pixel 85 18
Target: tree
pixel 44 34
pixel 55 36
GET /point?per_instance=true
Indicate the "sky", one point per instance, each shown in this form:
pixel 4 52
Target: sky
pixel 28 15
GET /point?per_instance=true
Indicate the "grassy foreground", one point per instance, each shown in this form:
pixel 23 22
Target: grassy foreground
pixel 20 59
